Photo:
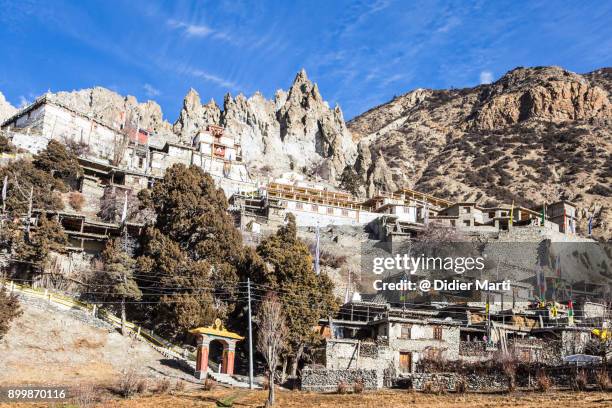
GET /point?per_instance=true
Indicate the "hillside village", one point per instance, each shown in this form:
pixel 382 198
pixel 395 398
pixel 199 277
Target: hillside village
pixel 347 203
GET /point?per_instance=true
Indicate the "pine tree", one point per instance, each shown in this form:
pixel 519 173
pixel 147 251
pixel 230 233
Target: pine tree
pixel 38 182
pixel 192 212
pixel 119 274
pixel 59 162
pixel 193 253
pixel 52 171
pixel 9 310
pixel 47 237
pixel 22 175
pixel 168 270
pixel 305 297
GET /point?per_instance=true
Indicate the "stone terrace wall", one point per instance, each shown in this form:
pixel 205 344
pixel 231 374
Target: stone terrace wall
pixel 322 380
pixel 473 349
pixel 526 377
pixel 448 381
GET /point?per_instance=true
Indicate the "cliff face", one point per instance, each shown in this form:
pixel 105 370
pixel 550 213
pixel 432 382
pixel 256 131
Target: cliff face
pixel 112 108
pixel 297 130
pixel 534 136
pixel 6 109
pixel 549 94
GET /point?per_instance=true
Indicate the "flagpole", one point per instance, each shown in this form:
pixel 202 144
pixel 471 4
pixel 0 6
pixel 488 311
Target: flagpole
pixel 4 187
pixel 317 251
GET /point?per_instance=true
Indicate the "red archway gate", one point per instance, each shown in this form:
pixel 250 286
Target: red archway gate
pixel 205 335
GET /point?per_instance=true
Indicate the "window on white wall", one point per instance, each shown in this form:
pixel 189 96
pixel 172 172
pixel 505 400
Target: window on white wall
pixel 406 333
pixel 437 333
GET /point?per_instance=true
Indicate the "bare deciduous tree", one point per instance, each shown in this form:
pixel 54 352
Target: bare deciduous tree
pixel 271 338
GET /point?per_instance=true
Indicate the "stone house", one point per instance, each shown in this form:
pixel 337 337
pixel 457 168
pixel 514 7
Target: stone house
pixel 393 343
pixel 412 340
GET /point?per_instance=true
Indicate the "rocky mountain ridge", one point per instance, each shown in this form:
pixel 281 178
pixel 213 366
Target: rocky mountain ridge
pixel 536 135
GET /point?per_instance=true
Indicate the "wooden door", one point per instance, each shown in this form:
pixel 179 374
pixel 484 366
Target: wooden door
pixel 405 365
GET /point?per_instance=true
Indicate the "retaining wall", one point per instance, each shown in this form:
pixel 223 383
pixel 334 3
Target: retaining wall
pixel 322 380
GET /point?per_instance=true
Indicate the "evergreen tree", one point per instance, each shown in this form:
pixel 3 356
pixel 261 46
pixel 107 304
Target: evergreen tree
pixel 22 176
pixel 59 162
pixel 119 274
pixel 193 253
pixel 47 237
pixel 46 176
pixel 192 212
pixel 51 172
pixel 305 297
pixel 9 310
pixel 169 271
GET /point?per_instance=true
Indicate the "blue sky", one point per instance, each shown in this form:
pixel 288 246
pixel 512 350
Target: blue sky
pixel 361 53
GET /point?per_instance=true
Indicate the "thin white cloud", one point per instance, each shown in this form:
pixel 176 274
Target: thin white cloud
pixel 451 23
pixel 191 30
pixel 23 102
pixel 151 91
pixel 360 13
pixel 392 78
pixel 486 77
pixel 217 80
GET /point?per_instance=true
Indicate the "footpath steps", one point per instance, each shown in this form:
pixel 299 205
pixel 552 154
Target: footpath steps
pixel 227 379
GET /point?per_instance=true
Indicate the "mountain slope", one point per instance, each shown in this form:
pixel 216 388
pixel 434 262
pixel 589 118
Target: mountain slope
pixel 534 136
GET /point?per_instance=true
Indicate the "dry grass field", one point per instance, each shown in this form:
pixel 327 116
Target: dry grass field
pixel 380 399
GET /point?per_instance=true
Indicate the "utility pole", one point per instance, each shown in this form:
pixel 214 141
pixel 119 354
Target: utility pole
pixel 250 338
pixel 124 277
pixel 4 188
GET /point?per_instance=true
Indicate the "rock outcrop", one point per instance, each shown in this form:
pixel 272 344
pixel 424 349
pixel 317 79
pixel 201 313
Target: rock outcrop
pixel 112 108
pixel 297 130
pixel 195 116
pixel 555 96
pixel 6 109
pixel 536 135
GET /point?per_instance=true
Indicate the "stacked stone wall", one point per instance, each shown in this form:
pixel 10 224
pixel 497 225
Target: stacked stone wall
pixel 322 380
